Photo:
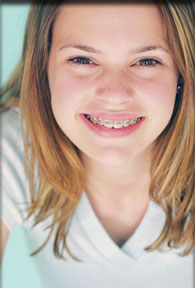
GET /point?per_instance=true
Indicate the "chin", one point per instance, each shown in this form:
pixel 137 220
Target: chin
pixel 112 157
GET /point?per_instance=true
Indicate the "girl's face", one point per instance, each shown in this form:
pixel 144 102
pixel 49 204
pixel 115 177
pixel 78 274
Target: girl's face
pixel 112 62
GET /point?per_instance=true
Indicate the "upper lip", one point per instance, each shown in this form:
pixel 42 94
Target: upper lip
pixel 114 116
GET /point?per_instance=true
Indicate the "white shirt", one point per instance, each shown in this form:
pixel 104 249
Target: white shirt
pixel 103 263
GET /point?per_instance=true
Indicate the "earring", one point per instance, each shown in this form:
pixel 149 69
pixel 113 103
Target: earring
pixel 180 85
pixel 179 88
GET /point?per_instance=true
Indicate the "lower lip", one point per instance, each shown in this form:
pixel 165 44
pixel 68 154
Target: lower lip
pixel 105 132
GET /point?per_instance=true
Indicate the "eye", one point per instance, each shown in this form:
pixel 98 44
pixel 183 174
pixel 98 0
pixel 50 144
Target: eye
pixel 147 62
pixel 81 60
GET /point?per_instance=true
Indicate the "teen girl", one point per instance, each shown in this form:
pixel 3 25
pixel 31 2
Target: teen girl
pixel 105 93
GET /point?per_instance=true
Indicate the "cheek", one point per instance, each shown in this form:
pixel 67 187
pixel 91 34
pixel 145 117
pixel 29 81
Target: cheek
pixel 68 93
pixel 159 97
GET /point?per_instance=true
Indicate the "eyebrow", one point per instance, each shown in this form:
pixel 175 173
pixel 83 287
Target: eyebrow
pixel 81 47
pixel 133 51
pixel 148 48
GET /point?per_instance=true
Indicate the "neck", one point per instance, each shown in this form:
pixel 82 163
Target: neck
pixel 119 184
pixel 119 195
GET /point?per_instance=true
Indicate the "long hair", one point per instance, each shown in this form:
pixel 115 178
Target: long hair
pixel 172 172
pixel 56 159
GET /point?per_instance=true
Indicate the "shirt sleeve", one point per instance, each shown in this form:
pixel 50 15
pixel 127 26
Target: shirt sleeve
pixel 14 184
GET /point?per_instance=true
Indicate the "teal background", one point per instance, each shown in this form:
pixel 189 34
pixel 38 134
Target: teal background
pixel 18 268
pixel 13 20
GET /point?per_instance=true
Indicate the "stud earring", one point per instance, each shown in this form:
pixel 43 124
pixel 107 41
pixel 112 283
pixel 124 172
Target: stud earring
pixel 179 88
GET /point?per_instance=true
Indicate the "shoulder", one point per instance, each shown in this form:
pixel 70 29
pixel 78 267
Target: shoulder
pixel 14 184
pixel 12 146
pixel 11 133
pixel 10 123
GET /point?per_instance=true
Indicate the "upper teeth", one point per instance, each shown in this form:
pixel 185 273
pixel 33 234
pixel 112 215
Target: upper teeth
pixel 115 124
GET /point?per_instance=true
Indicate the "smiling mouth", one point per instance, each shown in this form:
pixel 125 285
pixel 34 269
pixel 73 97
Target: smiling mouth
pixel 112 124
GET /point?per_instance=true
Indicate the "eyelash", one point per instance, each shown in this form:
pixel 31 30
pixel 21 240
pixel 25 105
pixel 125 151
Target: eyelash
pixel 152 62
pixel 76 60
pixel 87 61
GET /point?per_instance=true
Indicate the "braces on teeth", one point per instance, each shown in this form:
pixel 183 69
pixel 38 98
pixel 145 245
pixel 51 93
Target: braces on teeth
pixel 110 124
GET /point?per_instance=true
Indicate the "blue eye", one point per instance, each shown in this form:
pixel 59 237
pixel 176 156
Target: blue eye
pixel 81 60
pixel 147 62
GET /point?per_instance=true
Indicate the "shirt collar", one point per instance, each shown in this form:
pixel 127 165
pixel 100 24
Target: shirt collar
pixel 146 233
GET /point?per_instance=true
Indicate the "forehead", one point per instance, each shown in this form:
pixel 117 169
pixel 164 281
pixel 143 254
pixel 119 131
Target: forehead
pixel 109 23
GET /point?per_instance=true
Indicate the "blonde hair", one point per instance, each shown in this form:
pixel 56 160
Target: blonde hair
pixel 60 170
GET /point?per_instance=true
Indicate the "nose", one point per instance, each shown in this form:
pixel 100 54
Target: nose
pixel 114 89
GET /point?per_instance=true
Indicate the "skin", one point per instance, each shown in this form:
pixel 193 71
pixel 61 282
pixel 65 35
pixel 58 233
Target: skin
pixel 114 81
pixel 5 233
